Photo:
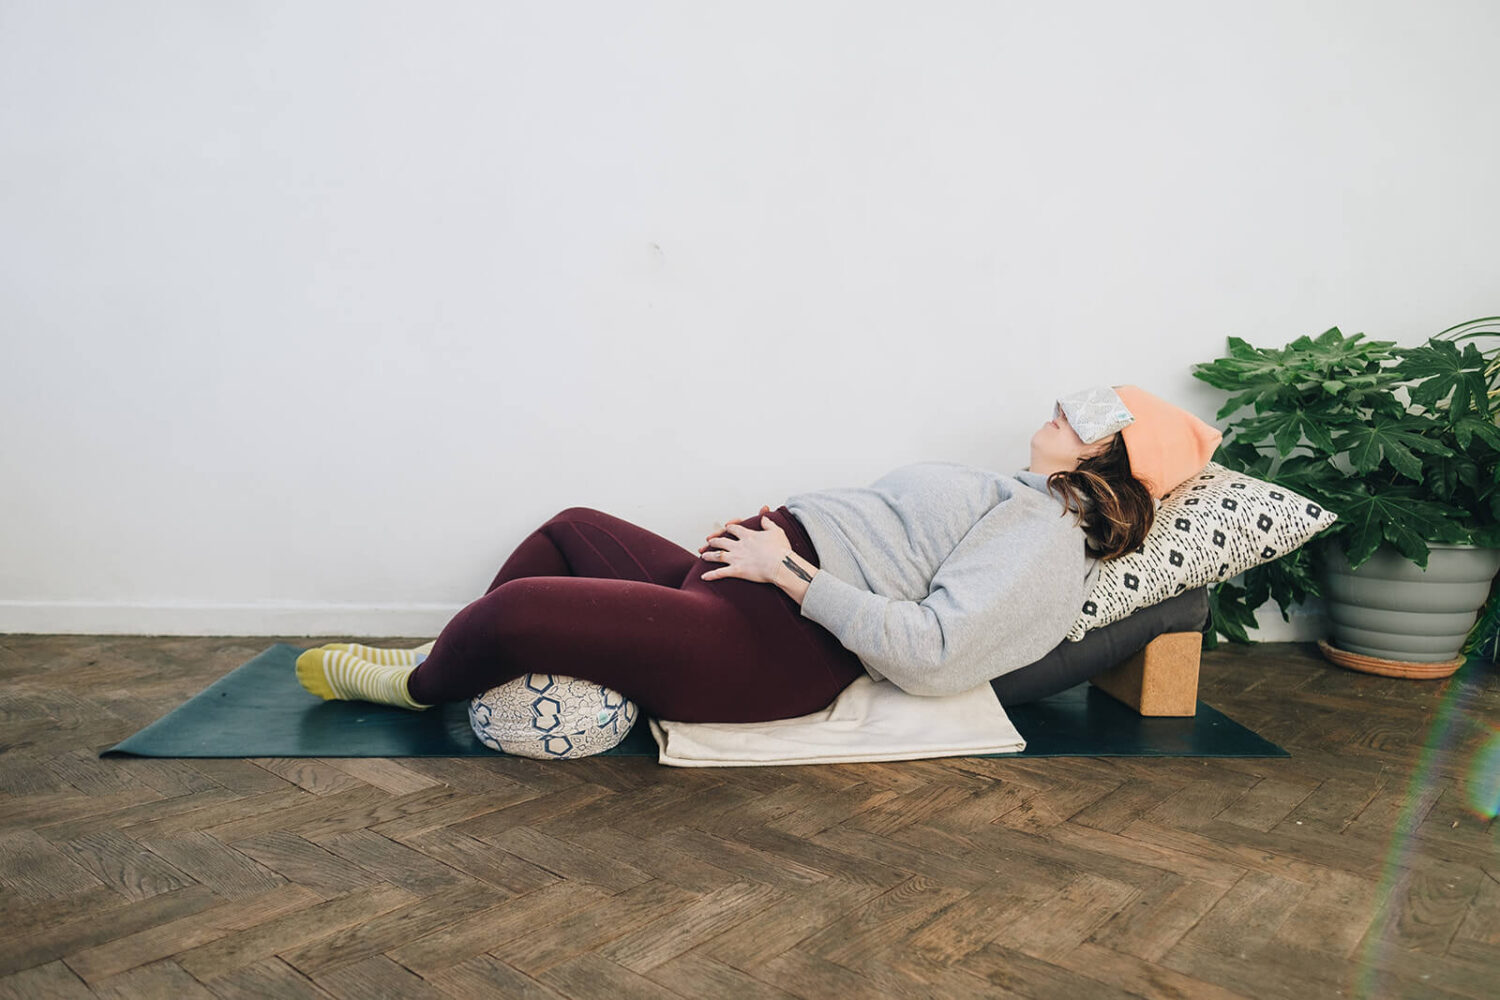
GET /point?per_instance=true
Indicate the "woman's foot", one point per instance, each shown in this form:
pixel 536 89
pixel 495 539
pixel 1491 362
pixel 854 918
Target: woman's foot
pixel 387 655
pixel 337 674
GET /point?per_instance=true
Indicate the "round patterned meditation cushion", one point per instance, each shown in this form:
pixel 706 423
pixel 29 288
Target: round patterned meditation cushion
pixel 549 716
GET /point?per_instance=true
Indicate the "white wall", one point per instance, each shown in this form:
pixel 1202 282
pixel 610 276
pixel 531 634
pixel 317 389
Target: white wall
pixel 312 310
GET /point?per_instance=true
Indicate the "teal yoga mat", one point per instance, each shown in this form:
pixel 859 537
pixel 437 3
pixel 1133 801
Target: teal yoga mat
pixel 259 710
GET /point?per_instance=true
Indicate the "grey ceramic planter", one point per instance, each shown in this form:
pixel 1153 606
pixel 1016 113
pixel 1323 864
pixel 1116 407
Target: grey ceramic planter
pixel 1393 609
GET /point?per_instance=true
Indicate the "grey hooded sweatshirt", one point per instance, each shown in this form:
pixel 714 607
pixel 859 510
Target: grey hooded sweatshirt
pixel 940 576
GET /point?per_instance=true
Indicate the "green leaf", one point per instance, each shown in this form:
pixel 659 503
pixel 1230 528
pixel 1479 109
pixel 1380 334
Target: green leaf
pixel 1405 521
pixel 1288 426
pixel 1242 456
pixel 1241 349
pixel 1333 351
pixel 1257 589
pixel 1379 401
pixel 1391 440
pixel 1287 432
pixel 1444 475
pixel 1487 537
pixel 1439 371
pixel 1238 402
pixel 1317 431
pixel 1229 612
pixel 1468 427
pixel 1289 580
pixel 1314 476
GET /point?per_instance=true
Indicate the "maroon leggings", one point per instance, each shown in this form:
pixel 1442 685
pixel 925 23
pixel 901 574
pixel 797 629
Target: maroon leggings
pixel 589 595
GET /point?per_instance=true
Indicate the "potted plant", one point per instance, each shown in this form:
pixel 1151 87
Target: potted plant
pixel 1402 443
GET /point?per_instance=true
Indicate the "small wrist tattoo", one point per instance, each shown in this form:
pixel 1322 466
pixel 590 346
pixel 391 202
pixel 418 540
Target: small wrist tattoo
pixel 801 573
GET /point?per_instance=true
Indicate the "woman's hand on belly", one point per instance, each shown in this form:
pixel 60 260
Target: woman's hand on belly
pixel 748 554
pixel 763 556
pixel 764 510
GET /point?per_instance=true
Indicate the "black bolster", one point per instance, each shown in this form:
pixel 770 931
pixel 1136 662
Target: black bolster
pixel 1101 648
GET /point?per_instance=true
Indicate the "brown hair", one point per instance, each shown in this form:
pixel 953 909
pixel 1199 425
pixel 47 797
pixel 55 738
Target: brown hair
pixel 1120 509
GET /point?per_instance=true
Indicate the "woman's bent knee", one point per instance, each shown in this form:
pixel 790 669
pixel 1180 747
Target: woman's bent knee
pixel 577 514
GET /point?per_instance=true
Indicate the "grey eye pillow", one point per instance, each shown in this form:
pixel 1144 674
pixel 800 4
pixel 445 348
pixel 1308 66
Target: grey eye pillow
pixel 1094 413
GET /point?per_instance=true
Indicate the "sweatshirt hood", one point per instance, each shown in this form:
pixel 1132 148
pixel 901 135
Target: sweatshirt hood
pixel 1038 482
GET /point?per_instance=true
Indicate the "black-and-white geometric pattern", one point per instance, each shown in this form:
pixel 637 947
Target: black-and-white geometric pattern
pixel 549 716
pixel 1211 527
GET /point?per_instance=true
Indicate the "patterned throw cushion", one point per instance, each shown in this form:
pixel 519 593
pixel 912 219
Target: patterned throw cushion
pixel 1211 527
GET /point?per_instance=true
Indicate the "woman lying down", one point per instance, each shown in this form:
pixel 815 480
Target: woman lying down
pixel 936 577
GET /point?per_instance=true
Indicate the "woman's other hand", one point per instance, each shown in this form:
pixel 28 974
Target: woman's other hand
pixel 704 548
pixel 747 553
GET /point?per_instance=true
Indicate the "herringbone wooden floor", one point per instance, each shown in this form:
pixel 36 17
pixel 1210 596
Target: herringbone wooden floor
pixel 1355 868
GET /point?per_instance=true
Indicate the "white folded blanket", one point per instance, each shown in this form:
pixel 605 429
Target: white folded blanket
pixel 871 720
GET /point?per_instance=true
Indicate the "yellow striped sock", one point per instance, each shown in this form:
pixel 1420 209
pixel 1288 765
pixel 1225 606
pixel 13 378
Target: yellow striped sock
pixel 334 673
pixel 379 654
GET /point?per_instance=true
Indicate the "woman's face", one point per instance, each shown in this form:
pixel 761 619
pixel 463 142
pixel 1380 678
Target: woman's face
pixel 1056 446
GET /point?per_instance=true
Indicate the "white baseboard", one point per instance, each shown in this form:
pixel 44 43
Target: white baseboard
pixel 205 618
pixel 1308 623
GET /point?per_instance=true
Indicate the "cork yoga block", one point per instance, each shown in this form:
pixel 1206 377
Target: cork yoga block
pixel 1161 679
